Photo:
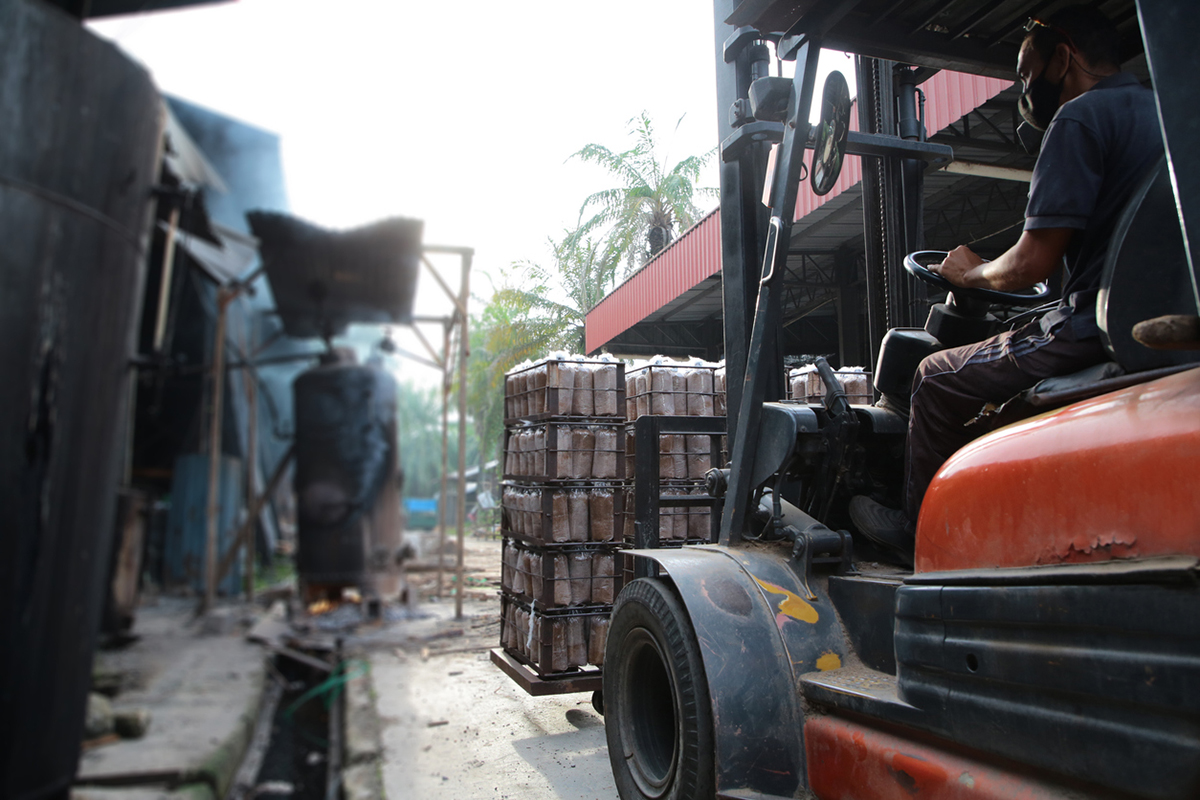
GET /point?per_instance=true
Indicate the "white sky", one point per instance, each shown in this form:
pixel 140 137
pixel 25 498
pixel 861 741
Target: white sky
pixel 463 115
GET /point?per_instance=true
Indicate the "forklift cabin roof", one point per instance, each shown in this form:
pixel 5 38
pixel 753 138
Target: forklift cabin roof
pixel 976 37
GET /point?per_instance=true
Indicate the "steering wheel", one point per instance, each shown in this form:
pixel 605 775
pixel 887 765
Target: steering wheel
pixel 916 263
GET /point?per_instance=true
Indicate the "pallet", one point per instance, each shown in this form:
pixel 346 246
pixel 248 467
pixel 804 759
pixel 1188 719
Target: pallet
pixel 537 686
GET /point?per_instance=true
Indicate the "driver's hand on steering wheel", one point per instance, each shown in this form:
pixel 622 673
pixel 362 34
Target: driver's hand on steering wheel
pixel 957 265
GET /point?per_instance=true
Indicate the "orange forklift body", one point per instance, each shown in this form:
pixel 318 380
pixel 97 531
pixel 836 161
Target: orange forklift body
pixel 1042 492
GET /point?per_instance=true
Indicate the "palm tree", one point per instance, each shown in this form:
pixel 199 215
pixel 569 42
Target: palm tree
pixel 585 271
pixel 643 213
pixel 534 312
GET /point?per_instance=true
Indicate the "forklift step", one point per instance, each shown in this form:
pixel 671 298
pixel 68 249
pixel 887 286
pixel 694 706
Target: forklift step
pixel 860 690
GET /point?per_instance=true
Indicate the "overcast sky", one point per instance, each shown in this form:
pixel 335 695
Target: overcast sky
pixel 461 114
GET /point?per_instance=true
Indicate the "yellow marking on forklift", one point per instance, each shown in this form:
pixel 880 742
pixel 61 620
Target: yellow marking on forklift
pixel 792 604
pixel 829 661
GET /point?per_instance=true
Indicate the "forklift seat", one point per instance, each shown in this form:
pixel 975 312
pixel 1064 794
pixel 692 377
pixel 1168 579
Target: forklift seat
pixel 1145 275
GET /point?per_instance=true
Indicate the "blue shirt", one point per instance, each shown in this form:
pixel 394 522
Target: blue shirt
pixel 1098 147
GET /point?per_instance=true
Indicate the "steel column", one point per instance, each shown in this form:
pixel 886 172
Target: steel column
pixel 743 216
pixel 760 367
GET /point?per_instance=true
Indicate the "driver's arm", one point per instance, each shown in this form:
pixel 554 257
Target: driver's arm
pixel 1033 258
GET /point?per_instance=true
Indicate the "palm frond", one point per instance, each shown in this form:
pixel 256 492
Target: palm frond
pixel 649 195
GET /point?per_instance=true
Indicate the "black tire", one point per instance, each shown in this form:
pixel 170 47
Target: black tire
pixel 658 719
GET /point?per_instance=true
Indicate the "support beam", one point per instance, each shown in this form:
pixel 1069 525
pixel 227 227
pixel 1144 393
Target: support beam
pixel 217 378
pixel 458 304
pixel 464 352
pixel 248 526
pixel 976 169
pixel 437 360
pixel 164 285
pixel 250 378
pixel 445 458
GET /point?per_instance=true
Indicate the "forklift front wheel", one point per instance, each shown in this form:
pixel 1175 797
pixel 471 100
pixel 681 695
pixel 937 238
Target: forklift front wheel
pixel 659 716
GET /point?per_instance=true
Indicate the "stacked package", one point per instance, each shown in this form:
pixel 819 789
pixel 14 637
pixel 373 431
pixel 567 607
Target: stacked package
pixel 807 387
pixel 562 501
pixel 672 388
pixel 564 386
pixel 664 387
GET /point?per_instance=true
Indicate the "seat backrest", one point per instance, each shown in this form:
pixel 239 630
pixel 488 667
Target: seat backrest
pixel 1145 275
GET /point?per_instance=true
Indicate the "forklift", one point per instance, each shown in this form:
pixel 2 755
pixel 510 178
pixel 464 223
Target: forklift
pixel 1046 641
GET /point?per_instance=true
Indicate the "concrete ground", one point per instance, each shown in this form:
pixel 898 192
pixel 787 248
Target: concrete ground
pixel 201 681
pixel 454 726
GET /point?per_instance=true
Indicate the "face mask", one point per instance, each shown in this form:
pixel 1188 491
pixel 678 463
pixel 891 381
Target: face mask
pixel 1039 102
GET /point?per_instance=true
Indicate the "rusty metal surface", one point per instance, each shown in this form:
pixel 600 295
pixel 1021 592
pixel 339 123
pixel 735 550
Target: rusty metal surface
pixel 347 478
pixel 79 149
pixel 536 686
pixel 324 280
pixel 757 635
pixel 851 760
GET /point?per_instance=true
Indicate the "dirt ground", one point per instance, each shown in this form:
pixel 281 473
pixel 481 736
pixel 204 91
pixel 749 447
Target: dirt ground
pixel 481 565
pixel 454 726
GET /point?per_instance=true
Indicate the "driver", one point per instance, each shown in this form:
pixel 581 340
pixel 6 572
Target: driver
pixel 1101 137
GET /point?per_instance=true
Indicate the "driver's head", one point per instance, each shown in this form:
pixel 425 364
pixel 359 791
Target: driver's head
pixel 1062 56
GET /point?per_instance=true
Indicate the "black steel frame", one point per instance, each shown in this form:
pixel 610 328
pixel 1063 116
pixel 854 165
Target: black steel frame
pixel 648 498
pixel 752 337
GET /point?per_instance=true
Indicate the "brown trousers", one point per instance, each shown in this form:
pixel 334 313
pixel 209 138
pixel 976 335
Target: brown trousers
pixel 952 387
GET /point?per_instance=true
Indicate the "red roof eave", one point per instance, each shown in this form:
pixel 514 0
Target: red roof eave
pixel 685 262
pixel 696 254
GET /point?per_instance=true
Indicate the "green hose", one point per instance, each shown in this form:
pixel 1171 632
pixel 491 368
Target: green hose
pixel 330 687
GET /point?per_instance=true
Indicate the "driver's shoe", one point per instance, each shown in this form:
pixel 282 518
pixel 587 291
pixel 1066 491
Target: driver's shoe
pixel 887 527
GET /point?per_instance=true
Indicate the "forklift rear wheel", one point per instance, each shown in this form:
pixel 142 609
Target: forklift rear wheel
pixel 659 717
